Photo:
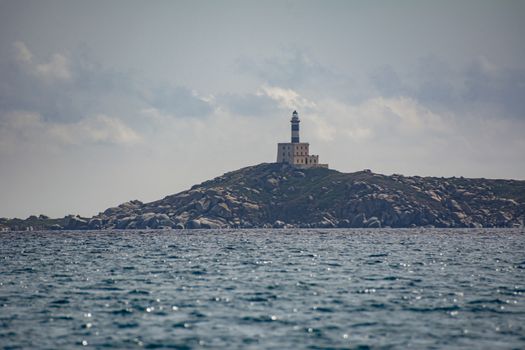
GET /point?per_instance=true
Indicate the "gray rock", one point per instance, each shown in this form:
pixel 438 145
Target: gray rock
pixel 453 205
pixel 95 224
pixel 210 223
pixel 359 186
pixel 163 220
pixel 246 224
pixel 111 211
pixel 203 204
pixel 193 224
pixel 132 225
pixel 221 210
pixel 278 224
pixel 271 183
pixel 344 223
pixel 325 224
pixel 358 220
pixel 124 222
pixel 373 222
pixel 76 223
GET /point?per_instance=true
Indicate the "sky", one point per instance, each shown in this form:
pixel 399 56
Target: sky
pixel 102 102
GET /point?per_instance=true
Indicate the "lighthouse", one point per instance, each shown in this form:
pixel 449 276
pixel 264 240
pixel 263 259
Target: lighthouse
pixel 295 127
pixel 297 153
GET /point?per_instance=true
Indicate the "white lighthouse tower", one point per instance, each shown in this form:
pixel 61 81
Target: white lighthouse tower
pixel 297 153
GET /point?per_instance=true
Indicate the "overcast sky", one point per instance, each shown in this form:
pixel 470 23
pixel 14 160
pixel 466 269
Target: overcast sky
pixel 102 102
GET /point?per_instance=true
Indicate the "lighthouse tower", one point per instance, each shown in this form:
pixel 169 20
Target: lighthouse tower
pixel 295 127
pixel 297 153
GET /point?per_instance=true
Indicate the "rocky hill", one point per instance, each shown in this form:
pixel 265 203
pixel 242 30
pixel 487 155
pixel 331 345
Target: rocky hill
pixel 277 195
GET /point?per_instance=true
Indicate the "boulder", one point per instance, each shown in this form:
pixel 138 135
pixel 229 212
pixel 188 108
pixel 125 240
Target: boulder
pixel 343 223
pixel 111 211
pixel 271 183
pixel 130 205
pixel 453 205
pixel 358 220
pixel 124 222
pixel 246 224
pixel 163 220
pixel 325 224
pixel 221 210
pixel 211 223
pixel 76 223
pixel 373 222
pixel 95 224
pixel 132 225
pixel 193 224
pixel 278 224
pixel 360 186
pixel 250 206
pixel 203 204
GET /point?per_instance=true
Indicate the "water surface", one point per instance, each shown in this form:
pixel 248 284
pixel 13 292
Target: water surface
pixel 261 289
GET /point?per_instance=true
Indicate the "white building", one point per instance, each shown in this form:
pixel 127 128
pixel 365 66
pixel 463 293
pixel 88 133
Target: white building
pixel 297 153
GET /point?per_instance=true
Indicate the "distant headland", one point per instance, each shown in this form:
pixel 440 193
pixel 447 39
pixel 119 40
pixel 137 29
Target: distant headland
pixel 298 191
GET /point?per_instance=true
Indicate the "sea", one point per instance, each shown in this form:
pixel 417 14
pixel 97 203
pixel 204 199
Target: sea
pixel 263 289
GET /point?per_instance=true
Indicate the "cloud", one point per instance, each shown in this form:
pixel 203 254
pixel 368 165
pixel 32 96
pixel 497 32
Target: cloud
pixel 296 69
pixel 70 87
pixel 288 98
pixel 97 129
pixel 486 84
pixel 57 68
pixel 266 101
pixel 251 104
pixel 179 101
pixel 478 87
pixel 374 120
pixel 387 81
pixel 25 129
pixel 22 53
pixel 60 89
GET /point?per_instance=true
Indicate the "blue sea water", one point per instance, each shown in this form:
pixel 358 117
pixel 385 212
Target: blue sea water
pixel 263 289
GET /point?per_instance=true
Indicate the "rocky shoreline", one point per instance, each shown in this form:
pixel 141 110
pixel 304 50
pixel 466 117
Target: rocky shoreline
pixel 272 195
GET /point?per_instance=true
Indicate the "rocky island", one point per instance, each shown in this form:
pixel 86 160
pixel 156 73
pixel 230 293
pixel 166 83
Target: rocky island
pixel 298 191
pixel 281 196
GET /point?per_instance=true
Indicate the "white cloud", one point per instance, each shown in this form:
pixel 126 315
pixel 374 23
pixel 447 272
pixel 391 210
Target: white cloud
pixel 56 69
pixel 22 129
pixel 373 118
pixel 98 129
pixel 22 53
pixel 287 98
